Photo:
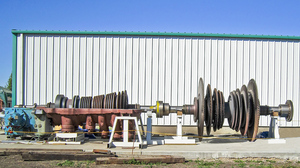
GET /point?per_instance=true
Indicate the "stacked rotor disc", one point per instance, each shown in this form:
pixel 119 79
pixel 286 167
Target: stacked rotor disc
pixel 214 109
pixel 243 110
pixel 108 101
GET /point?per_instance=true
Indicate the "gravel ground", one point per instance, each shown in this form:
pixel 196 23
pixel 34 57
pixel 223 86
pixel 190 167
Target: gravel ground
pixel 14 161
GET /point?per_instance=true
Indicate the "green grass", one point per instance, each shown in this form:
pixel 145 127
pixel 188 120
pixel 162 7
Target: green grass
pixel 66 163
pixel 86 163
pixel 241 165
pixel 271 161
pixel 136 162
pixel 254 161
pixel 202 163
pixel 238 161
pixel 218 162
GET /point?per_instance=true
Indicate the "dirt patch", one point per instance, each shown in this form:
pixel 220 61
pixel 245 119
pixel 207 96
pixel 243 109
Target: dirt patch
pixel 14 161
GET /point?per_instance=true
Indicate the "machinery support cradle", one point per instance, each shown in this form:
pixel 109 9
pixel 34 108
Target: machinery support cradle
pixel 125 142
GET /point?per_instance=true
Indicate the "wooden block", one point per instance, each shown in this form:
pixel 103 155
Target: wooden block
pixel 145 159
pixel 39 156
pixel 39 149
pixel 17 151
pixel 101 151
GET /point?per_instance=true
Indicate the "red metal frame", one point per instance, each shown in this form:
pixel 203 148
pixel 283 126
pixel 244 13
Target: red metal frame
pixel 71 118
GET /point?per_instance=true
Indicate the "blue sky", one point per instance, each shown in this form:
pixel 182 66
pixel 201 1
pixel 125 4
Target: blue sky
pixel 268 17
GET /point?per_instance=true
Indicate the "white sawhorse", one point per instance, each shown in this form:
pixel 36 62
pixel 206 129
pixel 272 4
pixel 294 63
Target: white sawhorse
pixel 125 142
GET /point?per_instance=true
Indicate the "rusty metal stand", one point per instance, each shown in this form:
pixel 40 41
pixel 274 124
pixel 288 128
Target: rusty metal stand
pixel 125 142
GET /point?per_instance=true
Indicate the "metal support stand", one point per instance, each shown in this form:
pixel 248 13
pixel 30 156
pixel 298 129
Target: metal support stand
pixel 149 128
pixel 152 140
pixel 274 132
pixel 179 139
pixel 125 142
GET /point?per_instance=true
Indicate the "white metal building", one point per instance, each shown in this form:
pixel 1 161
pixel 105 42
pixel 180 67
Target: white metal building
pixel 154 66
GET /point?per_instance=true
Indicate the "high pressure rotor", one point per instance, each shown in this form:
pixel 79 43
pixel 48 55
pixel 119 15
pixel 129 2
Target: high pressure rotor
pixel 242 110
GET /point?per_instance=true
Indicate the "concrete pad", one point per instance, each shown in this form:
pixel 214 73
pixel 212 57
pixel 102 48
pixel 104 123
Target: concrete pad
pixel 228 146
pixel 209 148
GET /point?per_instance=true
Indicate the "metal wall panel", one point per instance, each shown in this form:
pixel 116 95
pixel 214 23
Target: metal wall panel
pixel 155 68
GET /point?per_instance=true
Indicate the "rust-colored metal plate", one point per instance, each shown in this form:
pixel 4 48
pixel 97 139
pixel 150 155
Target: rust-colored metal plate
pixel 209 109
pixel 220 109
pixel 201 102
pixel 252 89
pixel 216 108
pixel 240 110
pixel 231 101
pixel 223 109
pixel 236 110
pixel 246 110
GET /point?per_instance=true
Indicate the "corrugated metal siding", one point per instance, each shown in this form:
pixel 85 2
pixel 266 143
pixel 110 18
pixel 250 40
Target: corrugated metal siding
pixel 154 68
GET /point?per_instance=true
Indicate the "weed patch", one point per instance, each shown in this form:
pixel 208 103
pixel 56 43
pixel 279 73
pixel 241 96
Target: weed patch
pixel 136 162
pixel 66 163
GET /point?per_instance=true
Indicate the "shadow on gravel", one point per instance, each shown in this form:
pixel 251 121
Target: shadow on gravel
pixel 235 138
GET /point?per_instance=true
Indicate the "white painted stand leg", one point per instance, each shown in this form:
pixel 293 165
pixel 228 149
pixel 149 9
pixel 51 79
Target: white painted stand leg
pixel 274 132
pixel 152 140
pixel 179 139
pixel 125 142
pixel 179 126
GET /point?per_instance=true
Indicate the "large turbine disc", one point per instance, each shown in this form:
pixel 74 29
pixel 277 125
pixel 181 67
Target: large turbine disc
pixel 208 107
pixel 240 110
pixel 231 118
pixel 254 107
pixel 246 109
pixel 236 107
pixel 220 109
pixel 216 108
pixel 223 109
pixel 200 118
